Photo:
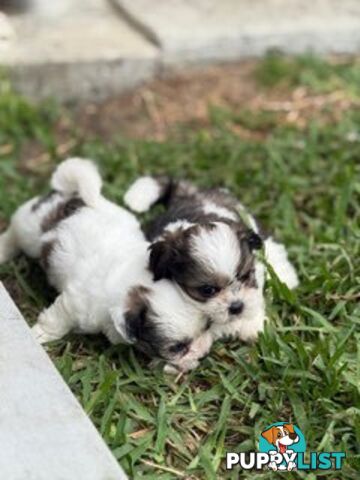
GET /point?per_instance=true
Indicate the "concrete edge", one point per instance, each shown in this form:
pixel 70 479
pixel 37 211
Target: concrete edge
pixel 11 315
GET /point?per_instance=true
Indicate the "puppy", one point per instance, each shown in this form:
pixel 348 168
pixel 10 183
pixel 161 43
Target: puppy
pixel 282 437
pixel 205 243
pixel 96 256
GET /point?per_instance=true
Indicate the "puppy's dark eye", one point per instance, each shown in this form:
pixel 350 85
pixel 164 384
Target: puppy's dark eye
pixel 180 347
pixel 279 435
pixel 208 291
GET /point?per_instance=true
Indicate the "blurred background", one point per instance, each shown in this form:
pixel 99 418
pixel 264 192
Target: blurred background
pixel 93 49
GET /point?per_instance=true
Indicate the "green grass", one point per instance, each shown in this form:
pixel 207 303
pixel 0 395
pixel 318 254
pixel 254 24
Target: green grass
pixel 305 187
pixel 309 71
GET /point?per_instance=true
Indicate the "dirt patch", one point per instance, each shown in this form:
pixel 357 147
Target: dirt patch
pixel 153 110
pixel 167 107
pixel 156 109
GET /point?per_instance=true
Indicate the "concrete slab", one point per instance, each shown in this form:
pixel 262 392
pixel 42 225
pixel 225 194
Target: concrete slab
pixel 213 30
pixel 44 433
pixel 93 49
pixel 75 50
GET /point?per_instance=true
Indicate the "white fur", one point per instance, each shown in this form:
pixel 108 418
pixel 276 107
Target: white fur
pixel 251 321
pixel 179 224
pixel 142 194
pixel 210 207
pixel 78 175
pixel 219 252
pixel 276 255
pixel 218 249
pixel 99 254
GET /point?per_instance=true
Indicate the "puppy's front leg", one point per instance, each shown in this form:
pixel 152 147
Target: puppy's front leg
pixel 249 330
pixel 53 322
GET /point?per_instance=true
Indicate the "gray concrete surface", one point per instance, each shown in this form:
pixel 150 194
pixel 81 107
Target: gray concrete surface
pixel 92 49
pixel 75 50
pixel 212 30
pixel 44 433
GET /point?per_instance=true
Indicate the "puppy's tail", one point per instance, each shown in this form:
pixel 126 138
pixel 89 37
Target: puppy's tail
pixel 78 176
pixel 148 191
pixel 145 192
pixel 277 256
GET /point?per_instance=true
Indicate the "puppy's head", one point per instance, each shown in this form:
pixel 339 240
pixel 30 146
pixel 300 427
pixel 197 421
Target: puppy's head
pixel 281 436
pixel 213 264
pixel 161 324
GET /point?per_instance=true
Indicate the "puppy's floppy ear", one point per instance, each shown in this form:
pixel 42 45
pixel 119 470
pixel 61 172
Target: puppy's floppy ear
pixel 269 435
pixel 161 257
pixel 253 240
pixel 135 322
pixel 166 257
pixel 120 323
pixel 131 323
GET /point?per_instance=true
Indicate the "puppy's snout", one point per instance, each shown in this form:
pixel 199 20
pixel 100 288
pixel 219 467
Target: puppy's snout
pixel 236 307
pixel 293 436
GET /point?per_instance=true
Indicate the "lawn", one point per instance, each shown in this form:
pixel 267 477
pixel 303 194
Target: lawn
pixel 295 161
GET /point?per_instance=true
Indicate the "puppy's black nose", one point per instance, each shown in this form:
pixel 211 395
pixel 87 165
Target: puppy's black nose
pixel 236 307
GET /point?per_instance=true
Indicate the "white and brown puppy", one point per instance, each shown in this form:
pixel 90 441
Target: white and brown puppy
pixel 96 256
pixel 204 246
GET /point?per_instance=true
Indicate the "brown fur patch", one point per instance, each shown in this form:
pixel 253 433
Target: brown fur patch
pixel 46 251
pixel 136 298
pixel 61 212
pixel 44 199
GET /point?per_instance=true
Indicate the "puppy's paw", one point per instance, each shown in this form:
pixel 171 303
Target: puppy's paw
pixel 40 334
pixel 181 368
pixel 142 194
pixel 250 334
pixel 45 330
pixel 171 370
pixel 249 329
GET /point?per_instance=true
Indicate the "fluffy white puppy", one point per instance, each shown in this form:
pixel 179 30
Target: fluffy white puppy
pixel 205 242
pixel 95 255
